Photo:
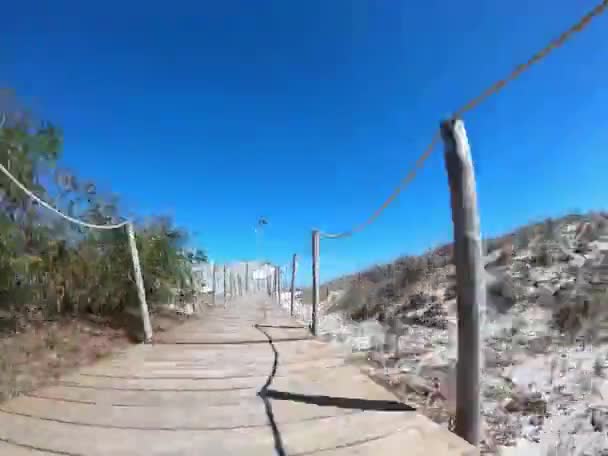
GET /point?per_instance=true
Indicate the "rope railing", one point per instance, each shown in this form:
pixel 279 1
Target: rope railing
pixel 467 256
pixel 141 293
pixel 577 27
pixel 51 208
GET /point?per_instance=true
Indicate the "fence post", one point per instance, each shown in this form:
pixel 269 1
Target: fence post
pixel 315 279
pixel 471 297
pixel 225 285
pixel 231 275
pixel 293 281
pixel 139 281
pixel 277 284
pixel 214 281
pixel 246 277
pixel 268 284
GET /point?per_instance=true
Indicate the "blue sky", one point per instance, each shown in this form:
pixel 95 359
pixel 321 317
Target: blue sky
pixel 309 113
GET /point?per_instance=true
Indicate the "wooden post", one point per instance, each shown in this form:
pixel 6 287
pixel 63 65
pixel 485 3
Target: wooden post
pixel 139 282
pixel 268 284
pixel 225 291
pixel 471 297
pixel 294 265
pixel 246 278
pixel 240 283
pixel 279 287
pixel 214 282
pixel 231 285
pixel 315 279
pixel 276 283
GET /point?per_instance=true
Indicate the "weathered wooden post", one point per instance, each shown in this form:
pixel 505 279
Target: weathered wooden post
pixel 139 282
pixel 294 265
pixel 231 285
pixel 214 282
pixel 225 287
pixel 278 284
pixel 246 277
pixel 471 297
pixel 316 237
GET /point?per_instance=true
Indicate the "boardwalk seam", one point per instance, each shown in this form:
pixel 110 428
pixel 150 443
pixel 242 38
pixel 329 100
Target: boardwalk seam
pixel 230 377
pixel 35 448
pixel 167 429
pixel 154 390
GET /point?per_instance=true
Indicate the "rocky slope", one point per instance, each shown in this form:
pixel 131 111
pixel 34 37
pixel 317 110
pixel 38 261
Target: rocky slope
pixel 545 378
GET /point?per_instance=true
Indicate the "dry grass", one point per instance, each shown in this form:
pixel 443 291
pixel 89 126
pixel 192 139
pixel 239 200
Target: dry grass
pixel 43 351
pixel 583 314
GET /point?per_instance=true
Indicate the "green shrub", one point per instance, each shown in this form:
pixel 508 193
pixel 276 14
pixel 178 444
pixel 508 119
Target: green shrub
pixel 52 266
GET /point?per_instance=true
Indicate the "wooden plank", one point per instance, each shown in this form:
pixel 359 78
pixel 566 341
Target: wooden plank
pixel 190 400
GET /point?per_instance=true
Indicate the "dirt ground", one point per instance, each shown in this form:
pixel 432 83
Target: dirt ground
pixel 42 351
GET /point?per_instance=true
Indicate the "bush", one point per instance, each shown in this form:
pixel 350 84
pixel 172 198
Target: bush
pixel 50 266
pixel 411 270
pixel 489 245
pixel 506 255
pixel 354 303
pixel 543 256
pixel 582 312
pixel 522 238
pixel 377 274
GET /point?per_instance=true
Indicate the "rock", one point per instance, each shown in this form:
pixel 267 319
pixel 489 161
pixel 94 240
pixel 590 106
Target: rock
pixel 541 275
pixel 545 298
pixel 599 418
pixel 417 384
pixel 541 344
pixel 493 358
pixel 406 365
pixel 523 447
pixel 526 402
pixel 429 372
pixel 549 288
pixel 510 290
pixel 536 420
pixel 381 358
pixel 450 293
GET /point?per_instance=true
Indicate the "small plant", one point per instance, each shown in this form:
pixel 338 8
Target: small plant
pixel 548 229
pixel 412 270
pixel 522 238
pixel 582 314
pixel 355 303
pixel 506 255
pixel 553 369
pixel 52 340
pixel 543 256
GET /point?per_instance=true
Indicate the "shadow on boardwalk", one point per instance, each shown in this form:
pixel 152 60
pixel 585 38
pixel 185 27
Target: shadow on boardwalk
pixel 322 401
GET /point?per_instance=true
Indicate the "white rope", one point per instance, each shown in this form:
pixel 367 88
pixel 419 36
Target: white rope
pixel 57 211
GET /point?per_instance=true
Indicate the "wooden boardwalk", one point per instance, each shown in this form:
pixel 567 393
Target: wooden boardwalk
pixel 245 379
